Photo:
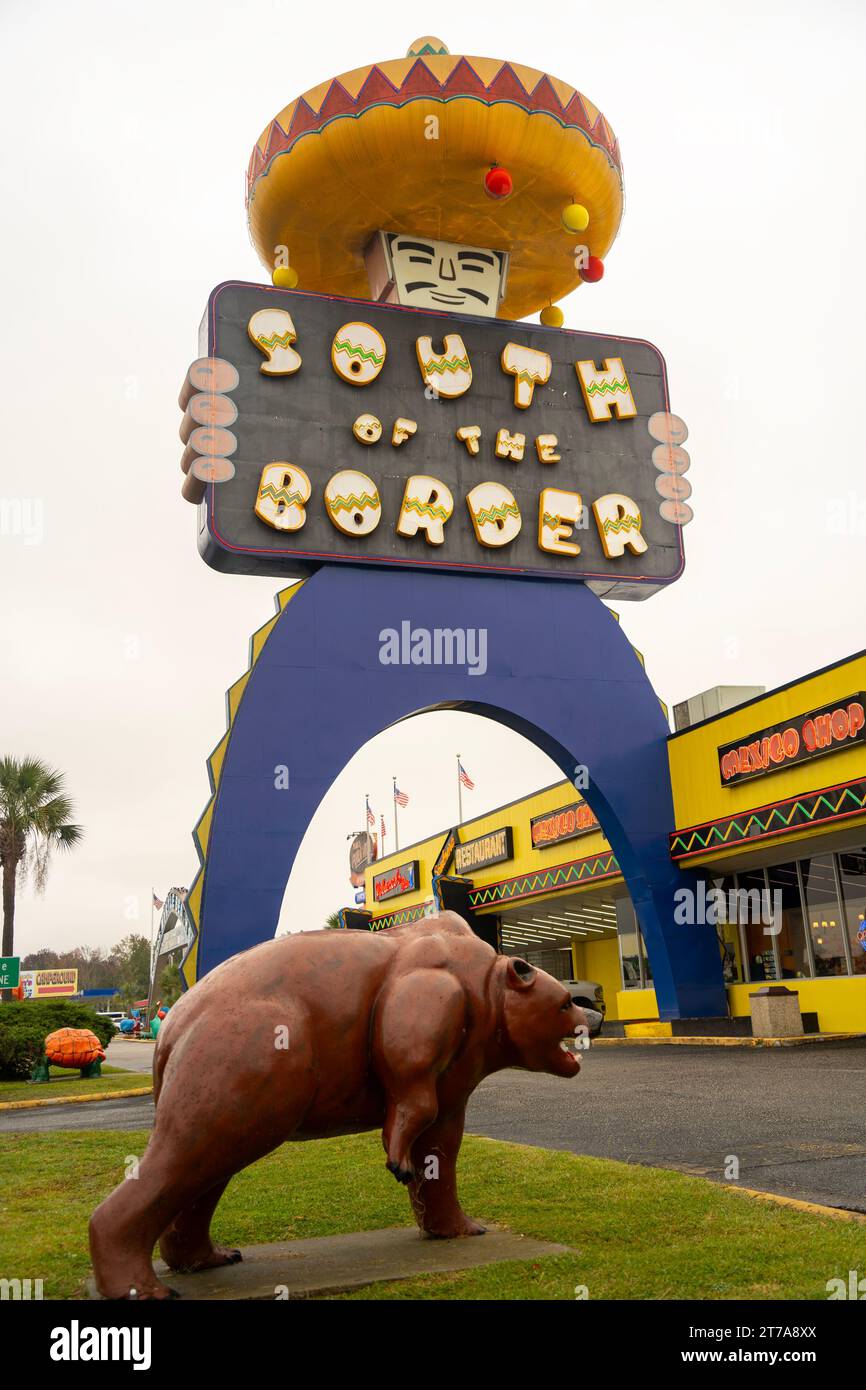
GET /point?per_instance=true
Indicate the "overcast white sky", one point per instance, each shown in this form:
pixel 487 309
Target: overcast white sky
pixel 126 132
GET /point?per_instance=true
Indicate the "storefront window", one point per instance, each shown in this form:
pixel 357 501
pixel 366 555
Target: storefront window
pixel 823 915
pixel 754 911
pixel 787 910
pixel 645 960
pixel 728 933
pixel 629 949
pixel 852 879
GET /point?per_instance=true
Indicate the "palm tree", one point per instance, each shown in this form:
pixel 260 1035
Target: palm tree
pixel 35 819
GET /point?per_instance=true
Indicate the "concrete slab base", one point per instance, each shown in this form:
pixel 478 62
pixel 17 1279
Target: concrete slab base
pixel 332 1264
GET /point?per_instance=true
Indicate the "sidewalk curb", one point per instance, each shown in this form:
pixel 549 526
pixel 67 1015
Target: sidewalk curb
pixel 813 1208
pixel 74 1100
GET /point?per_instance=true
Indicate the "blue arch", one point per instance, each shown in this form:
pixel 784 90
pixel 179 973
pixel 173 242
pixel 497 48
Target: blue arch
pixel 559 671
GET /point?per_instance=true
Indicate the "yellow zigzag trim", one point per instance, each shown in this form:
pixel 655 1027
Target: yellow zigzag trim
pixel 623 523
pixel 201 833
pixel 276 339
pixel 356 350
pixel 447 364
pixel 497 513
pixel 414 504
pixel 281 494
pixel 352 503
pixel 604 388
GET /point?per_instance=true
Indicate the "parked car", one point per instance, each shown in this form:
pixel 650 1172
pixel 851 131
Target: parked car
pixel 110 1013
pixel 588 994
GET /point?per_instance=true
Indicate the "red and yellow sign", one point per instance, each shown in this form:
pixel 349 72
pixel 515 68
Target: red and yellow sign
pixel 567 823
pixel 824 730
pixel 41 984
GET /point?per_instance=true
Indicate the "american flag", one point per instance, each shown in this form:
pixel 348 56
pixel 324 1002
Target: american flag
pixel 400 797
pixel 382 827
pixel 371 819
pixel 157 902
pixel 465 778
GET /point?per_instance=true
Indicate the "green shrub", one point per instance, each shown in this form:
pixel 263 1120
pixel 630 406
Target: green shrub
pixel 26 1023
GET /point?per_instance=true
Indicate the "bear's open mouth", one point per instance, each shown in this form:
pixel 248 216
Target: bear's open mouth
pixel 577 1042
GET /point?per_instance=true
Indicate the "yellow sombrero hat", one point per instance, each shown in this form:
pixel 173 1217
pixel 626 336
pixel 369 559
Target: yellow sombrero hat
pixel 406 145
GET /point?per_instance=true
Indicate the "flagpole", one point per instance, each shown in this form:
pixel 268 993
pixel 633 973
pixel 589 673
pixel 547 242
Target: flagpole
pixel 151 981
pixel 459 794
pixel 396 829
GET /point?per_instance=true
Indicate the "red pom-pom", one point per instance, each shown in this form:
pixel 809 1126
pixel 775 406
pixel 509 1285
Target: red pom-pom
pixel 593 270
pixel 498 182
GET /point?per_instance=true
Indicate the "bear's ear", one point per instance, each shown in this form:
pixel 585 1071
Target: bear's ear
pixel 519 973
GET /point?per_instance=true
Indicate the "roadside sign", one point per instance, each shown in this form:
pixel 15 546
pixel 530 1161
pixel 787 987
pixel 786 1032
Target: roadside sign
pixel 10 971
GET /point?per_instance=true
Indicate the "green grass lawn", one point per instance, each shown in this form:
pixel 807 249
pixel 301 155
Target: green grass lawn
pixel 69 1083
pixel 637 1233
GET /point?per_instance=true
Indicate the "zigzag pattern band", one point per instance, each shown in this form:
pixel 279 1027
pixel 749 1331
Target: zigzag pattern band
pixel 281 494
pixel 353 503
pixel 414 504
pixel 811 808
pixel 447 364
pixel 356 350
pixel 499 513
pixel 397 919
pixel 276 340
pixel 622 523
pixel 606 388
pixel 527 885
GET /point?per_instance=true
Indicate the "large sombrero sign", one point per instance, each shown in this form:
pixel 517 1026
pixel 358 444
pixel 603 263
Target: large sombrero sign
pixel 421 426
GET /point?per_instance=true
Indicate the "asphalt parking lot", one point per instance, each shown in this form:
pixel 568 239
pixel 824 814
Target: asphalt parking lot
pixel 795 1118
pixel 132 1056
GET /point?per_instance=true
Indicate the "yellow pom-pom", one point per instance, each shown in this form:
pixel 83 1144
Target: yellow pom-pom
pixel 552 317
pixel 285 277
pixel 575 218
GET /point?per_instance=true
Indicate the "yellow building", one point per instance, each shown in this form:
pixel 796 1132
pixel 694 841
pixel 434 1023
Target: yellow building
pixel 770 812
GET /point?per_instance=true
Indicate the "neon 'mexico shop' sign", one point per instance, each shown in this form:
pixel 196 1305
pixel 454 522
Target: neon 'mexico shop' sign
pixel 824 730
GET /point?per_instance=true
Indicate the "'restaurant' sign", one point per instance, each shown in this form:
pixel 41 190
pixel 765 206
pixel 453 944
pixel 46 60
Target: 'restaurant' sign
pixel 824 730
pixel 392 883
pixel 486 849
pixel 336 430
pixel 567 823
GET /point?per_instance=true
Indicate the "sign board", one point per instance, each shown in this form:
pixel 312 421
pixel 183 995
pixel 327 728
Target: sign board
pixel 566 823
pixel 44 984
pixel 373 434
pixel 10 969
pixel 446 854
pixel 825 730
pixel 362 852
pixel 393 883
pixel 486 849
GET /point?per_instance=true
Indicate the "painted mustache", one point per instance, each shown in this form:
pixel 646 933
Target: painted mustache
pixel 462 290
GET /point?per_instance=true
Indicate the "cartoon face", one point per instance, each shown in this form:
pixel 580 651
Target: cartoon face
pixel 443 275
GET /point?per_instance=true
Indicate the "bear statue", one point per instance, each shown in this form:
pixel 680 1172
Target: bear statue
pixel 324 1033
